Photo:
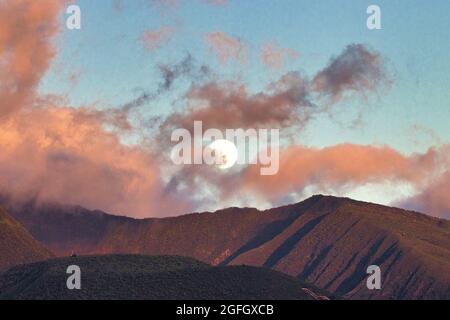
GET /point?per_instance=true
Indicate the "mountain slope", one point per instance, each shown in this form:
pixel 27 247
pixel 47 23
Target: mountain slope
pixel 326 241
pixel 17 246
pixel 333 243
pixel 133 277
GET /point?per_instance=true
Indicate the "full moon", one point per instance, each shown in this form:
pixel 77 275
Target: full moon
pixel 226 153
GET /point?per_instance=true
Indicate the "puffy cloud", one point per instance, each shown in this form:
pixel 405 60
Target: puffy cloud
pixel 226 47
pixel 72 159
pixel 26 29
pixel 52 152
pixel 356 69
pixel 56 153
pixel 228 105
pixel 274 57
pixel 289 101
pixel 285 103
pixel 340 167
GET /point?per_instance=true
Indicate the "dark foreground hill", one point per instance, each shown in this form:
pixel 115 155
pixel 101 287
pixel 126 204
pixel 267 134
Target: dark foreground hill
pixel 144 277
pixel 17 246
pixel 326 241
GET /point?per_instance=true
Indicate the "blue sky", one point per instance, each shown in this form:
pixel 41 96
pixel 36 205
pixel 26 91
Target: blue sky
pixel 112 64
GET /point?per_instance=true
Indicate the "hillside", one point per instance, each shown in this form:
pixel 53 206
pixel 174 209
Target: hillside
pixel 326 241
pixel 133 277
pixel 17 246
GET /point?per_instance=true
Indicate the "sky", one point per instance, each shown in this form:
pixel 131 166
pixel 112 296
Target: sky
pixel 413 40
pixel 379 130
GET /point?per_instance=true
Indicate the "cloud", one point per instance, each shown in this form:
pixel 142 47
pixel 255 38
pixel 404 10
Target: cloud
pixel 26 29
pixel 357 69
pixel 155 39
pixel 230 105
pixel 226 48
pixel 73 160
pixel 340 167
pixel 292 100
pixel 285 103
pixel 274 57
pixel 52 152
pixel 434 199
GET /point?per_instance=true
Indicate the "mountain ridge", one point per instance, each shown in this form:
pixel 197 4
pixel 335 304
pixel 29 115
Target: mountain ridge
pixel 326 241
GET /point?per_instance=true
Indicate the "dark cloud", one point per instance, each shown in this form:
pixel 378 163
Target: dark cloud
pixel 230 105
pixel 289 101
pixel 357 69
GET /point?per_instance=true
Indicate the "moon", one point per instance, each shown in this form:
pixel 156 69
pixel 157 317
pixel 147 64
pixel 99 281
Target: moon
pixel 226 153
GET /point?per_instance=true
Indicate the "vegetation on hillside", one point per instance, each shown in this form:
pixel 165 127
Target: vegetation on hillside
pixel 148 278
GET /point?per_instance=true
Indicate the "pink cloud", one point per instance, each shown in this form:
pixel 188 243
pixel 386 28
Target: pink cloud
pixel 275 57
pixel 226 48
pixel 52 152
pixel 25 49
pixel 344 167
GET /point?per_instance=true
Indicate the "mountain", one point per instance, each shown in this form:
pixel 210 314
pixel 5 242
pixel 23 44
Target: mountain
pixel 135 277
pixel 17 246
pixel 326 241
